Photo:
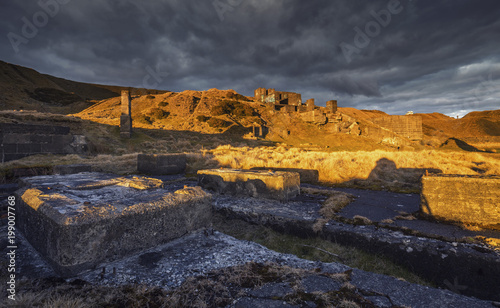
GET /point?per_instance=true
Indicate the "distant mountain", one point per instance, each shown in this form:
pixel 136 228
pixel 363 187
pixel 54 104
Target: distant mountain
pixel 25 88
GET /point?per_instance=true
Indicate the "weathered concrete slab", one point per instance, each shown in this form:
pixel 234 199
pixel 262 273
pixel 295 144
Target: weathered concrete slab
pixel 306 175
pixel 462 198
pixel 471 269
pixel 169 265
pixel 161 164
pixel 71 169
pixel 77 221
pixel 259 184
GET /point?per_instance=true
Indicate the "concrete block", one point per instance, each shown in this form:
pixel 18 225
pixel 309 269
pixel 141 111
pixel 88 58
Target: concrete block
pixel 16 138
pixel 161 164
pixel 52 148
pixel 9 148
pixel 24 148
pixel 9 157
pixel 78 221
pixel 60 145
pixel 72 169
pixel 306 175
pixel 260 184
pixel 60 130
pixel 41 138
pixel 462 198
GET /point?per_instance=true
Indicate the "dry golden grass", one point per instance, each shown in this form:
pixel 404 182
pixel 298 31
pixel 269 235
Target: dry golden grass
pixel 382 169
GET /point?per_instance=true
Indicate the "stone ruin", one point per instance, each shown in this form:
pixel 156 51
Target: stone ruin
pixel 260 131
pixel 332 106
pixel 409 126
pixel 22 140
pixel 126 115
pixel 290 102
pixel 254 183
pixel 78 221
pixel 466 199
pixel 161 164
pixel 278 99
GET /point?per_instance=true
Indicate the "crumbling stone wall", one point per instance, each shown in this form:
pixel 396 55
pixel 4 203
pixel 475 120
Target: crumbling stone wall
pixel 260 131
pixel 310 104
pixel 21 140
pixel 314 116
pixel 462 198
pixel 332 106
pixel 405 126
pixel 271 96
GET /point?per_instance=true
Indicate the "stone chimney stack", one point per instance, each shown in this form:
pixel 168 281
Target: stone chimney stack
pixel 310 104
pixel 126 115
pixel 332 106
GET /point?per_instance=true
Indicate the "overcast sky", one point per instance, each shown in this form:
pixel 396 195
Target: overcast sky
pixel 395 56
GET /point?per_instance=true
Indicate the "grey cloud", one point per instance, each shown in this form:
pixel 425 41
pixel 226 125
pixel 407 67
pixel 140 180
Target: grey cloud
pixel 433 56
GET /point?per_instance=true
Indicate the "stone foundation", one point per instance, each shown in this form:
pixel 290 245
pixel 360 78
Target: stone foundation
pixel 310 176
pixel 77 221
pixel 21 140
pixel 259 184
pixel 461 198
pixel 161 164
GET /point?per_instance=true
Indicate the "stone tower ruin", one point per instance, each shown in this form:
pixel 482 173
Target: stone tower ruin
pixel 126 115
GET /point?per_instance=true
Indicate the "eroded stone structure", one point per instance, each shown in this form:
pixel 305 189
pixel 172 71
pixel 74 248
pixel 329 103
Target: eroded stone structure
pixel 161 164
pixel 259 184
pixel 21 140
pixel 409 126
pixel 126 115
pixel 290 102
pixel 310 104
pixel 279 99
pixel 466 199
pixel 331 106
pixel 260 131
pixel 77 221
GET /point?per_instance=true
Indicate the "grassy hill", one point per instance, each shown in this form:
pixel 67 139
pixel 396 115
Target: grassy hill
pixel 23 88
pixel 225 111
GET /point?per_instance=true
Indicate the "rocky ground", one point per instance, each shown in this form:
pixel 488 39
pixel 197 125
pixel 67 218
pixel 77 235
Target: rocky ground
pixel 211 268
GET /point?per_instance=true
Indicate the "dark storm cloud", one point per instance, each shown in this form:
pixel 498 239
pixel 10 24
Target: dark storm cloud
pixel 403 55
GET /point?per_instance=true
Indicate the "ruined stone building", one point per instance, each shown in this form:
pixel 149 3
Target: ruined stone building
pixel 290 101
pixel 332 106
